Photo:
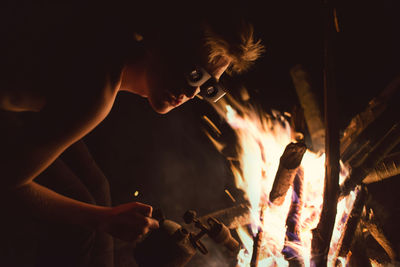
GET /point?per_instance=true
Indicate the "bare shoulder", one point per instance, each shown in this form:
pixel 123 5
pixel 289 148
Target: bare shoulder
pixel 31 141
pixel 64 113
pixel 82 107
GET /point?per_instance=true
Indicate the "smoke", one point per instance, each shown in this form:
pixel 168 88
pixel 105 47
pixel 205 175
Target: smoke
pixel 168 159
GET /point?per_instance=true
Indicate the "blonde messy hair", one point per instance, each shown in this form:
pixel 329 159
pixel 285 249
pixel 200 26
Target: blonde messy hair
pixel 237 44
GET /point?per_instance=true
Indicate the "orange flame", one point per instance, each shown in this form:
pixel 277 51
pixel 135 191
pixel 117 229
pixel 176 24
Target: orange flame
pixel 261 142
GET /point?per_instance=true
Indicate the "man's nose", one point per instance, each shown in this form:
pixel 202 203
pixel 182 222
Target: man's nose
pixel 192 92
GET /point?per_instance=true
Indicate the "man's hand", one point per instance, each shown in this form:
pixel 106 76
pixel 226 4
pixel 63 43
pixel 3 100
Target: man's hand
pixel 129 221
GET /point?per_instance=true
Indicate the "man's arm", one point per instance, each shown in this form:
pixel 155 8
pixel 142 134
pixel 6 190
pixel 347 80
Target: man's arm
pixel 79 159
pixel 127 222
pixel 36 143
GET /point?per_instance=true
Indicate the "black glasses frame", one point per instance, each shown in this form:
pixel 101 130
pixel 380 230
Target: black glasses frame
pixel 210 89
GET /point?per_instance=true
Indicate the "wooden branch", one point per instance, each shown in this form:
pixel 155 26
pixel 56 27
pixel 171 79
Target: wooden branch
pixel 374 109
pixel 293 220
pixel 309 103
pixel 354 155
pixel 255 257
pixel 289 162
pixel 359 254
pixel 389 167
pixel 323 233
pixel 347 238
pixel 375 157
pixel 380 237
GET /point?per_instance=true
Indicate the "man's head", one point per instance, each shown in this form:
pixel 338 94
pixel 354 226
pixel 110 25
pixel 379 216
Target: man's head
pixel 183 47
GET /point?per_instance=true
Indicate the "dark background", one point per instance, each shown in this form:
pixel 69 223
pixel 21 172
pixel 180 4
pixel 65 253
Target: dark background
pixel 169 160
pixel 134 143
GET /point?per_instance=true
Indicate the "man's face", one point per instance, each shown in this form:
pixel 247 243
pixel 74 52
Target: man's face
pixel 167 84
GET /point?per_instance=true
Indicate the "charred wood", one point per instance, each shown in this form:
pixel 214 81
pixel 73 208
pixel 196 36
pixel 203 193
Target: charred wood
pixel 289 162
pixel 352 223
pixel 380 237
pixel 372 159
pixel 359 256
pixel 356 152
pixel 309 103
pixel 292 222
pixel 389 167
pixel 298 125
pixel 255 257
pixel 361 121
pixel 322 234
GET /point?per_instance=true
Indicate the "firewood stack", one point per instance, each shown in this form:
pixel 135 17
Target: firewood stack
pixel 368 147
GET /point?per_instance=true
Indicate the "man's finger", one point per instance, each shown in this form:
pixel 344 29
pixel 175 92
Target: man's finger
pixel 144 223
pixel 144 209
pixel 153 224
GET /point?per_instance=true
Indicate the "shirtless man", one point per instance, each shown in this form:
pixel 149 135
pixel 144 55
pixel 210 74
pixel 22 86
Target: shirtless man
pixel 61 81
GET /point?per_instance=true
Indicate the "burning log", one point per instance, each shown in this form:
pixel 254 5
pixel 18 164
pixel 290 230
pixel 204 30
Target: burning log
pixel 309 103
pixel 389 167
pixel 256 248
pixel 289 162
pixel 352 223
pixel 298 125
pixel 292 221
pixel 295 208
pixel 258 241
pixel 323 233
pixel 379 151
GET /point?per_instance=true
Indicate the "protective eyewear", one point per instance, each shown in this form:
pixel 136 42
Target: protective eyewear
pixel 210 89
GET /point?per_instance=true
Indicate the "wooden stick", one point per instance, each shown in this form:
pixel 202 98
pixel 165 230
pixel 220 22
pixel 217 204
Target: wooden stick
pixel 258 241
pixel 367 128
pixel 374 109
pixel 309 103
pixel 359 255
pixel 380 237
pixel 289 162
pixel 355 152
pixel 389 167
pixel 256 248
pixel 353 220
pixel 375 157
pixel 292 221
pixel 323 233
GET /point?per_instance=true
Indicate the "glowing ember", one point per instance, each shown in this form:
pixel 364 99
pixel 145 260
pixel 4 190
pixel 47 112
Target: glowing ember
pixel 230 195
pixel 261 142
